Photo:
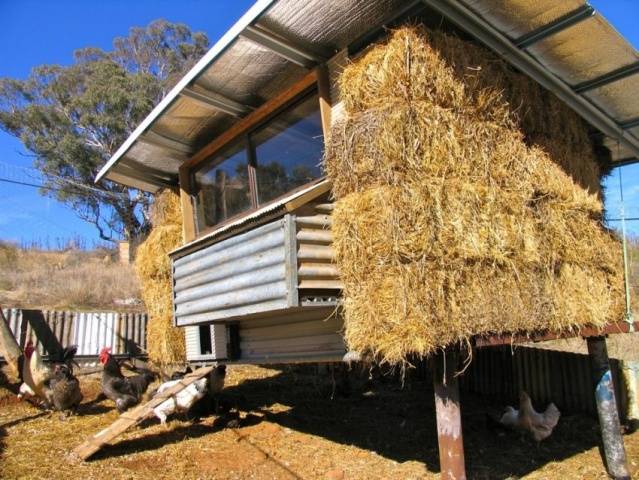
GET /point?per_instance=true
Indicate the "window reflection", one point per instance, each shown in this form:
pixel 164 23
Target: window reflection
pixel 222 187
pixel 288 150
pixel 285 153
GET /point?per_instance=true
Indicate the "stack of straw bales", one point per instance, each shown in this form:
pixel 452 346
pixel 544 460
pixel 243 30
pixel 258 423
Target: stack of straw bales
pixel 165 342
pixel 468 202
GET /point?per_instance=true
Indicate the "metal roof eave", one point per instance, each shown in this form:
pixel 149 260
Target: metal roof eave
pixel 220 46
pixel 482 30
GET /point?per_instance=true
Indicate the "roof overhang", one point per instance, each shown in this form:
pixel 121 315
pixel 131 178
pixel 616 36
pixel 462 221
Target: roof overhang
pixel 565 46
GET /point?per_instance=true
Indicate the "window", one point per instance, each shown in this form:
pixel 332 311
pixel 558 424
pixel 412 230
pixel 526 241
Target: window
pixel 222 187
pixel 288 150
pixel 272 159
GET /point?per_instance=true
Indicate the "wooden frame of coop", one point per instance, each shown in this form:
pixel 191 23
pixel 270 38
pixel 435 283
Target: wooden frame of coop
pixel 241 137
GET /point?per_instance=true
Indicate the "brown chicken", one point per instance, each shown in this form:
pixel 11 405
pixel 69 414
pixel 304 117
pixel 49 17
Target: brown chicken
pixel 64 389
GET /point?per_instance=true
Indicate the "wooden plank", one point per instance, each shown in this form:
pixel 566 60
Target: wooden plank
pixel 133 417
pixel 188 216
pixel 326 105
pixel 510 339
pixel 253 118
pixel 323 187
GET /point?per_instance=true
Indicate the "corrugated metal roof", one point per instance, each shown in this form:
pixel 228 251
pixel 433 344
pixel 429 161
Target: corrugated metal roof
pixel 565 46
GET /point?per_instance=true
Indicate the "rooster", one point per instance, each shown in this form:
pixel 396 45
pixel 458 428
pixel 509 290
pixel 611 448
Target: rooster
pixel 538 426
pixel 34 372
pixel 124 391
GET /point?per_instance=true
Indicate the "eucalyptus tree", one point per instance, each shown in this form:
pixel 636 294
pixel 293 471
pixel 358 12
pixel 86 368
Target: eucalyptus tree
pixel 73 118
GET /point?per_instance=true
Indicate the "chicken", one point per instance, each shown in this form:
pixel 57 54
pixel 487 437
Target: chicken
pixel 36 375
pixel 181 401
pixel 538 426
pixel 124 391
pixel 210 403
pixel 64 389
pixel 25 391
pixel 34 372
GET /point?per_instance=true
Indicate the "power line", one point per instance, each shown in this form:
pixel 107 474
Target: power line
pixel 6 180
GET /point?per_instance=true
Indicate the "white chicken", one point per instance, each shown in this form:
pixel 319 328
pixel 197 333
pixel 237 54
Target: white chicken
pixel 34 373
pixel 526 420
pixel 181 401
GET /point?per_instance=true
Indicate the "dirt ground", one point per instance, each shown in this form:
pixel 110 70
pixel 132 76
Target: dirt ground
pixel 292 429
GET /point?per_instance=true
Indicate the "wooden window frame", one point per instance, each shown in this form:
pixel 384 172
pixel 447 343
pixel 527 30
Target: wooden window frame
pixel 315 79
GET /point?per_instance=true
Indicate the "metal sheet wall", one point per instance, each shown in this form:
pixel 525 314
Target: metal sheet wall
pixel 218 343
pixel 125 333
pixel 242 275
pixel 546 375
pixel 316 266
pixel 306 335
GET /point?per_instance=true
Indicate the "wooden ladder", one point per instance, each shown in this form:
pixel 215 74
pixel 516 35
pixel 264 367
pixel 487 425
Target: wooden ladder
pixel 135 416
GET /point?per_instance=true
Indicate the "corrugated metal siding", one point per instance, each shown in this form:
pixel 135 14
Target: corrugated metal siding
pixel 218 343
pixel 546 375
pixel 316 265
pixel 307 334
pixel 242 275
pixel 125 333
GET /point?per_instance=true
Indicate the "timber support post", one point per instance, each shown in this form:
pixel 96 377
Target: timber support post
pixel 614 451
pixel 448 412
pixel 9 347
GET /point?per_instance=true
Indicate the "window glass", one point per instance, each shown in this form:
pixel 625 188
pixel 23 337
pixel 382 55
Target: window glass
pixel 288 149
pixel 221 186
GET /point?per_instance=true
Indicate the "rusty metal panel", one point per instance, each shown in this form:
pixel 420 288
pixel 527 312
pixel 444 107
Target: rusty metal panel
pixel 241 275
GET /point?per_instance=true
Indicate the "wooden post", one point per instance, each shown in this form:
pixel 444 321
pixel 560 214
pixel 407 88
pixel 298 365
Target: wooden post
pixel 615 454
pixel 448 411
pixel 188 216
pixel 9 347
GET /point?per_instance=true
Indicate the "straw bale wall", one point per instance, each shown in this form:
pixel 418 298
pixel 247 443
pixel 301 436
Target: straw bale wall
pixel 468 201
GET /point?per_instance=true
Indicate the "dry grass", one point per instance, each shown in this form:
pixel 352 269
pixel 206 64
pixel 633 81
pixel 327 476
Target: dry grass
pixel 71 279
pixel 293 430
pixel 165 342
pixel 468 202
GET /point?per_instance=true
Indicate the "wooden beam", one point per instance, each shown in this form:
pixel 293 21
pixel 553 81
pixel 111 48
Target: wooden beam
pixel 253 118
pixel 604 390
pixel 188 214
pixel 326 104
pixel 135 416
pixel 543 336
pixel 9 347
pixel 448 412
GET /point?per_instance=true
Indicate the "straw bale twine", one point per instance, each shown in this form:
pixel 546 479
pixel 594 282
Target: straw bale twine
pixel 165 342
pixel 468 202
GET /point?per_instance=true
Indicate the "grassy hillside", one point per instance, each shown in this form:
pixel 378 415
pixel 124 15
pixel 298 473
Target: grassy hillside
pixel 68 279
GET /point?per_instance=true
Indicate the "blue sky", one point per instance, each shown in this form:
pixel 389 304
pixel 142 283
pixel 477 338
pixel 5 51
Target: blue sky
pixel 34 32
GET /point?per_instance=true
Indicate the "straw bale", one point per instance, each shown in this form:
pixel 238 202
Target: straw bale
pixel 468 202
pixel 165 342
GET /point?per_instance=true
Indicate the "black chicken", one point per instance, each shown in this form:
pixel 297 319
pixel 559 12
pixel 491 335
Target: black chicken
pixel 124 391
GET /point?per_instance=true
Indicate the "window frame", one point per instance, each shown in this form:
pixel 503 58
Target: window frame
pixel 314 83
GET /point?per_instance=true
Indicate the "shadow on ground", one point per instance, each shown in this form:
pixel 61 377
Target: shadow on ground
pixel 398 422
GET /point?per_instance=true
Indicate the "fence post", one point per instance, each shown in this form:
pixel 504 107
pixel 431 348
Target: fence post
pixel 448 411
pixel 615 454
